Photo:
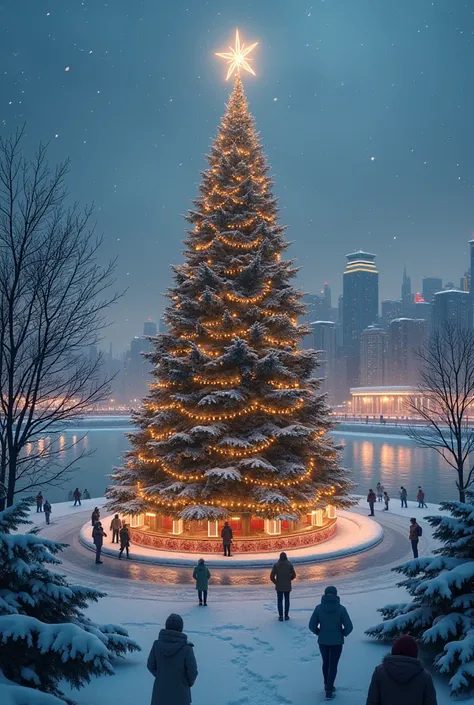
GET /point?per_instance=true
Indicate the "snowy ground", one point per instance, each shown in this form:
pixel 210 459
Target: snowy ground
pixel 245 656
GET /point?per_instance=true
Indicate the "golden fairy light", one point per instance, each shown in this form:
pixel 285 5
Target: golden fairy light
pixel 238 57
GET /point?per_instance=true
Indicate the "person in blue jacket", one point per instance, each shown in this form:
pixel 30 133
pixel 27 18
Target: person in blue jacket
pixel 331 623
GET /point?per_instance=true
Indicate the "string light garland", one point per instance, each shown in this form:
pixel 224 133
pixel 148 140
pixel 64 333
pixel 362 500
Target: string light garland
pixel 252 408
pixel 250 299
pixel 243 452
pixel 224 382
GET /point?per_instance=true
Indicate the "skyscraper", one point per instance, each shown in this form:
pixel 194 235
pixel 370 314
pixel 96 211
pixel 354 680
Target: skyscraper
pixel 324 340
pixel 452 306
pixel 390 309
pixel 327 297
pixel 149 328
pixel 407 296
pixel 471 270
pixel 373 355
pixel 405 337
pixel 360 306
pixel 430 286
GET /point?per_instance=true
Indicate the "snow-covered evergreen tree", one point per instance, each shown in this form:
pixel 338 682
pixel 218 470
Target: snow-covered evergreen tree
pixel 44 636
pixel 441 614
pixel 235 420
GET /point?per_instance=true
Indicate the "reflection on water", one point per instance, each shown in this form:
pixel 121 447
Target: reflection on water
pixel 392 460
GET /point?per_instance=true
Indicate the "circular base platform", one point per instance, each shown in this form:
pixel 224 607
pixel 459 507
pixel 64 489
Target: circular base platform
pixel 354 534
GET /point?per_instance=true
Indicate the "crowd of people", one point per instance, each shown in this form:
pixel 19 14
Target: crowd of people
pixel 120 534
pixel 400 678
pixel 414 530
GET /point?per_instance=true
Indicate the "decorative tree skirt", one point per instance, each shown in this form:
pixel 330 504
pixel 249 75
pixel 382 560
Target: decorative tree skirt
pixel 351 534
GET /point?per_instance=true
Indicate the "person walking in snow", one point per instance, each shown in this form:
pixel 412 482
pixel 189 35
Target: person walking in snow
pixel 124 540
pixel 386 500
pixel 77 497
pixel 282 576
pixel 401 678
pixel 227 536
pixel 420 498
pixel 403 494
pixel 379 490
pixel 86 495
pixel 414 536
pixel 115 525
pixel 98 535
pixel 95 516
pixel 371 499
pixel 172 664
pixel 47 511
pixel 39 502
pixel 331 623
pixel 201 575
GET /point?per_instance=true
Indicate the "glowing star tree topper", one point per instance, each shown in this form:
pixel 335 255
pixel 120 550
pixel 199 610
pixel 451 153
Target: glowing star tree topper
pixel 238 57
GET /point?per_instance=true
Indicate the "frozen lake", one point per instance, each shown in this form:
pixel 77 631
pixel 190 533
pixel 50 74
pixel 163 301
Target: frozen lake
pixel 393 460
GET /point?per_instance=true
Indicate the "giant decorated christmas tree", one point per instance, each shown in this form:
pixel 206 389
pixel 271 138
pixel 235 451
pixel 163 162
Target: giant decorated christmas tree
pixel 235 422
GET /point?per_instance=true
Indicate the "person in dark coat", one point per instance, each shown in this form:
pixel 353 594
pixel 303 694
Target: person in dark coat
pixel 124 541
pixel 371 499
pixel 98 535
pixel 403 497
pixel 201 575
pixel 227 536
pixel 281 576
pixel 414 536
pixel 47 511
pixel 95 516
pixel 172 664
pixel 401 678
pixel 77 496
pixel 386 500
pixel 39 502
pixel 331 623
pixel 420 498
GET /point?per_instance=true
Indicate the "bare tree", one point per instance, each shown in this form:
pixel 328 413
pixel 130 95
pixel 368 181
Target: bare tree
pixel 447 386
pixel 53 297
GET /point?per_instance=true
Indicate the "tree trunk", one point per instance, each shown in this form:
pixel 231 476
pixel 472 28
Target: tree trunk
pixel 11 478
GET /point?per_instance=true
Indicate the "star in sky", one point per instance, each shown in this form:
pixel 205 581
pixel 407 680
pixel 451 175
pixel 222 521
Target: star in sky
pixel 238 57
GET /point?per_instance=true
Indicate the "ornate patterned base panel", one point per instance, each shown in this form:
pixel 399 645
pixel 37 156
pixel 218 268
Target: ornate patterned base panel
pixel 239 545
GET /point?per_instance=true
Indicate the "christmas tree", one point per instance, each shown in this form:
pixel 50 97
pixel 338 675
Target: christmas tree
pixel 441 614
pixel 235 420
pixel 44 636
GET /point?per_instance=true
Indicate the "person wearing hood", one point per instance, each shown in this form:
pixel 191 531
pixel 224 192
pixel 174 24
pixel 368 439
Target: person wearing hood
pixel 281 576
pixel 172 664
pixel 201 575
pixel 401 678
pixel 330 622
pixel 98 534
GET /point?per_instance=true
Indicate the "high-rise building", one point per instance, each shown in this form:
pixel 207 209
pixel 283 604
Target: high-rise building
pixel 324 340
pixel 452 306
pixel 327 296
pixel 430 286
pixel 407 296
pixel 315 306
pixel 149 328
pixel 471 268
pixel 405 337
pixel 373 356
pixel 162 325
pixel 360 307
pixel 390 309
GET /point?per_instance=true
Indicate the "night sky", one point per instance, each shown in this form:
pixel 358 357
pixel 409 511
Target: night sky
pixel 365 107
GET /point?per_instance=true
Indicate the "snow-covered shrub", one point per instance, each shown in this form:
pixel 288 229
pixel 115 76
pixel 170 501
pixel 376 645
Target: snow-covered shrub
pixel 441 614
pixel 44 636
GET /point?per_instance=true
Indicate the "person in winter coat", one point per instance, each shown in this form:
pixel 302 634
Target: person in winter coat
pixel 98 535
pixel 379 490
pixel 39 502
pixel 414 536
pixel 201 575
pixel 172 664
pixel 281 576
pixel 86 495
pixel 371 499
pixel 47 511
pixel 330 622
pixel 226 535
pixel 115 525
pixel 420 498
pixel 401 678
pixel 95 516
pixel 403 497
pixel 77 496
pixel 386 500
pixel 124 540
